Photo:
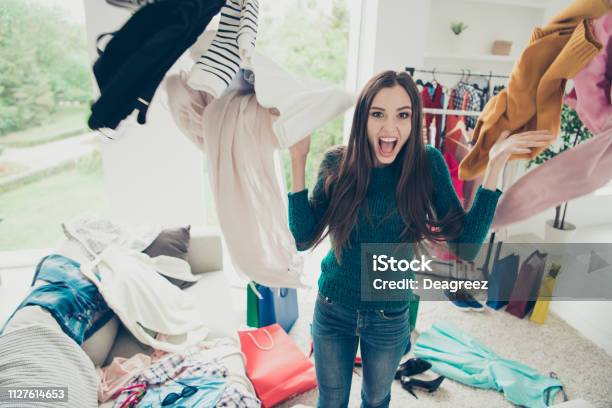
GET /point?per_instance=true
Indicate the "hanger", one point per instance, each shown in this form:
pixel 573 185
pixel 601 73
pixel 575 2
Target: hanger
pixel 433 75
pixel 460 79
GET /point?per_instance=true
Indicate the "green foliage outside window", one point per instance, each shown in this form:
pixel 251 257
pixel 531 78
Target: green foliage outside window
pixel 43 63
pixel 572 132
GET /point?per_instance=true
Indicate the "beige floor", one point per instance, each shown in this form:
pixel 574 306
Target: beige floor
pixel 584 368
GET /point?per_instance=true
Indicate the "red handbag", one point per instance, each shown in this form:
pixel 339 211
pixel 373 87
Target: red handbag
pixel 275 365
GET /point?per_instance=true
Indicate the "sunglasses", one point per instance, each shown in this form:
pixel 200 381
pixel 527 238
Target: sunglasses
pixel 171 398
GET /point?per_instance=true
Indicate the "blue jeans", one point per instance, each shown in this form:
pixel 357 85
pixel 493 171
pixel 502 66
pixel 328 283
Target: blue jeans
pixel 71 298
pixel 384 337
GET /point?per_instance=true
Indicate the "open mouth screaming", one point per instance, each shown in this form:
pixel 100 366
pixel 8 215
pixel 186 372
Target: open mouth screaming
pixel 387 145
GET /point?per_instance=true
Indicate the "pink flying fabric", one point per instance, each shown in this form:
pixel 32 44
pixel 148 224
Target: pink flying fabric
pixel 572 174
pixel 590 97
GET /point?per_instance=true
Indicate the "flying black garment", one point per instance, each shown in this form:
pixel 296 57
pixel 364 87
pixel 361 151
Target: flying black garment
pixel 138 56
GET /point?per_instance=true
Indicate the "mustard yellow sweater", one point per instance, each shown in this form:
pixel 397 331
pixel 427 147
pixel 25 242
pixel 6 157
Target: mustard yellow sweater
pixel 532 100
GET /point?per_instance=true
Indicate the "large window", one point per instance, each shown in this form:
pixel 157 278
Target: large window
pixel 50 165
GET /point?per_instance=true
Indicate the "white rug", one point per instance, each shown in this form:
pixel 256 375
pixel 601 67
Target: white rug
pixel 584 368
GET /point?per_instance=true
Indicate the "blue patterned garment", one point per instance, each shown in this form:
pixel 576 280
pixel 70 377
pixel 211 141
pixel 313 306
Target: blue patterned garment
pixel 69 296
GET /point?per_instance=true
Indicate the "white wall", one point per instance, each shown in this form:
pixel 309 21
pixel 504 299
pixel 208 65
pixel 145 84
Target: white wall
pixel 584 212
pixel 384 34
pixel 152 173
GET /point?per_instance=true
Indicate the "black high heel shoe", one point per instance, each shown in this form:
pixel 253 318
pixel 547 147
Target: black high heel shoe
pixel 412 366
pixel 409 383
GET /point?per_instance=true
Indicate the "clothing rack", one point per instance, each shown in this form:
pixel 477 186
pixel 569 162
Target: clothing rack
pixel 463 73
pixel 412 70
pixel 485 269
pixel 451 112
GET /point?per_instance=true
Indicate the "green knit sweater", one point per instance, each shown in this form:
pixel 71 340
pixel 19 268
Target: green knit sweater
pixel 342 282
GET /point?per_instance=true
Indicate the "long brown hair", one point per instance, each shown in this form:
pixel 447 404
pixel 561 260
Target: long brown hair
pixel 346 185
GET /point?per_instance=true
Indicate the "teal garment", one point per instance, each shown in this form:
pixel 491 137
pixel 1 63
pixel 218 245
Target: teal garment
pixel 210 390
pixel 342 282
pixel 460 357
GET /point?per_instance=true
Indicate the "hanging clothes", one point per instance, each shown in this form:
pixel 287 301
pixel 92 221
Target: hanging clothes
pixel 469 98
pixel 453 168
pixel 445 105
pixel 590 97
pixel 454 144
pixel 460 357
pixel 455 125
pixel 432 98
pixel 482 86
pixel 534 94
pixel 574 173
pixel 230 49
pixel 236 134
pixel 474 103
pixel 138 56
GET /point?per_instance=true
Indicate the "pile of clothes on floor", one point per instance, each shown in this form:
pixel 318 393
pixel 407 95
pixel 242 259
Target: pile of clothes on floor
pixel 197 377
pixel 105 270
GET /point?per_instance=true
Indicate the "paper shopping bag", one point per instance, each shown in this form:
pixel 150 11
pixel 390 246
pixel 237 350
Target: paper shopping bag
pixel 275 365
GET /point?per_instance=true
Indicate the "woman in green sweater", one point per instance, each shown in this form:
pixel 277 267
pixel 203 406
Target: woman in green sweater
pixel 385 186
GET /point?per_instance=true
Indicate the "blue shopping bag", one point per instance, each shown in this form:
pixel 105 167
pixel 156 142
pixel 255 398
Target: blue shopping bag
pixel 502 279
pixel 277 305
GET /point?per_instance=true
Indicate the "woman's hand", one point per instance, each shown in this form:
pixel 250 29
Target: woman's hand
pixel 299 153
pixel 506 146
pixel 518 143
